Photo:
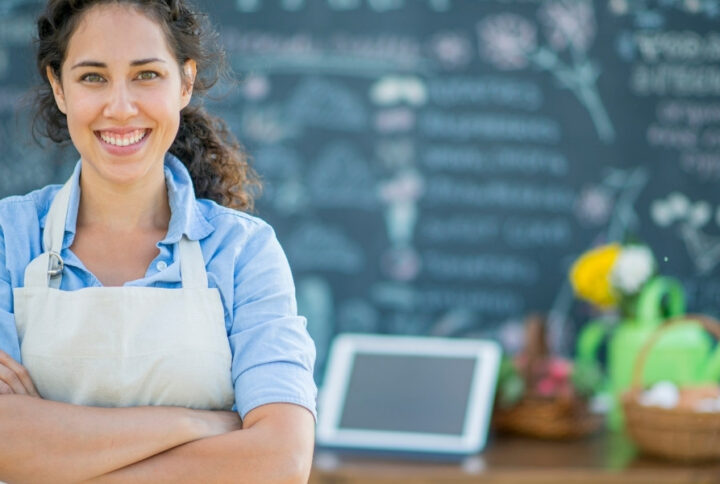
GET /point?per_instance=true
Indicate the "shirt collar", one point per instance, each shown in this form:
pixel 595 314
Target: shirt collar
pixel 185 215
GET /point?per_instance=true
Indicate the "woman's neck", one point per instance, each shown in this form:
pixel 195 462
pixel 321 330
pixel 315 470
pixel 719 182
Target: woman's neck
pixel 141 205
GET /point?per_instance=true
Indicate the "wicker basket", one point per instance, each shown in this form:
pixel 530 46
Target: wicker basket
pixel 559 417
pixel 676 434
pixel 556 419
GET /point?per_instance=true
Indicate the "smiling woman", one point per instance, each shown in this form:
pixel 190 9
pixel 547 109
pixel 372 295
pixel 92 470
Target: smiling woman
pixel 148 326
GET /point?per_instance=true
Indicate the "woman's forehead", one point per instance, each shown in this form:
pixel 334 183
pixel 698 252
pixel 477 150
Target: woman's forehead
pixel 117 32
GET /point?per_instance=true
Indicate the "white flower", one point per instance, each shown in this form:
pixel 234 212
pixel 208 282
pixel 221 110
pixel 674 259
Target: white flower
pixel 632 269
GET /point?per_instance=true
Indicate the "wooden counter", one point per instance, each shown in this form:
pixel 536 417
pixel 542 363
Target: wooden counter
pixel 604 459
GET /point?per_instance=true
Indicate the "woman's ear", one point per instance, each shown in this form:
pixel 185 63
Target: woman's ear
pixel 56 89
pixel 188 81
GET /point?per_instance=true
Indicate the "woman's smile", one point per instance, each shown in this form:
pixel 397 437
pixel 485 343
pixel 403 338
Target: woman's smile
pixel 122 142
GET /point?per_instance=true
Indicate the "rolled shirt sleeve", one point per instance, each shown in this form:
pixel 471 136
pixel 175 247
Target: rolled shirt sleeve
pixel 8 332
pixel 273 354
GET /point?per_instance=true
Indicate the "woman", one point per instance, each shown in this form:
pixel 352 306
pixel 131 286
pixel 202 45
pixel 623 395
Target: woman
pixel 133 315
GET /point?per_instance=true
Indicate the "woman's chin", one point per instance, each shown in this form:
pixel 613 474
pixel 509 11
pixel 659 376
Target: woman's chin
pixel 121 172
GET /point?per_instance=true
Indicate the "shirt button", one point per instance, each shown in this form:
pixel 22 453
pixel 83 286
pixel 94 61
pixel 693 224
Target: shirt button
pixel 161 266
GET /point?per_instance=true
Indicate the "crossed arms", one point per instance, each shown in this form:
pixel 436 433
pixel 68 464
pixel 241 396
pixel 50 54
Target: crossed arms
pixel 45 441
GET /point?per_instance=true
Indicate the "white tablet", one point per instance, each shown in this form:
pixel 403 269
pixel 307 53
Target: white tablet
pixel 413 394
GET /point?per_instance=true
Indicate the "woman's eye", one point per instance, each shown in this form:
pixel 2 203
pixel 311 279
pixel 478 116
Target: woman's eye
pixel 147 75
pixel 92 78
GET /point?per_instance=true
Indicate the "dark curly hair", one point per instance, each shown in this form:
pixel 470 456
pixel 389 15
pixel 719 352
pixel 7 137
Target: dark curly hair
pixel 215 159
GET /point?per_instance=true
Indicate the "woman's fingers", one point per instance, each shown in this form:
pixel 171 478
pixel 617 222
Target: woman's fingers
pixel 15 376
pixel 5 389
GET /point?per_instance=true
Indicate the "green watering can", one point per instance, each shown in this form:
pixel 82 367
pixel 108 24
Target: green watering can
pixel 683 355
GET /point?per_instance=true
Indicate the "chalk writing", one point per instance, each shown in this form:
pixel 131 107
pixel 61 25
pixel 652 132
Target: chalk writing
pixel 705 164
pixel 671 137
pixel 452 191
pixel 664 79
pixel 464 126
pixel 678 46
pixel 529 232
pixel 482 267
pixel 362 55
pixel 485 301
pixel 469 229
pixel 319 247
pixel 692 113
pixel 446 297
pixel 505 91
pixel 455 158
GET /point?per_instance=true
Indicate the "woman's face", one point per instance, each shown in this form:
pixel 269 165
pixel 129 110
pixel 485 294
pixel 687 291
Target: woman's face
pixel 122 93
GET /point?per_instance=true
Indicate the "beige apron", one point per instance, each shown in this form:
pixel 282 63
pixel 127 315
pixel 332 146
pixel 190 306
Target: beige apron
pixel 122 346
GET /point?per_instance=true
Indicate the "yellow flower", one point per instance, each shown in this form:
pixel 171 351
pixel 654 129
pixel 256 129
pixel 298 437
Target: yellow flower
pixel 590 275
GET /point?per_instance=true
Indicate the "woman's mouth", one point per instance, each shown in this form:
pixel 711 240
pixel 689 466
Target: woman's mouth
pixel 123 143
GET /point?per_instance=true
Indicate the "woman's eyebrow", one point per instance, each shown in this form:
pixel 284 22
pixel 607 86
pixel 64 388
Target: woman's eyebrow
pixel 139 62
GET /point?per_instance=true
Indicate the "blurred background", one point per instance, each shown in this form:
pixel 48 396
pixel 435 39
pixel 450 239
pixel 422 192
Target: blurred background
pixel 433 167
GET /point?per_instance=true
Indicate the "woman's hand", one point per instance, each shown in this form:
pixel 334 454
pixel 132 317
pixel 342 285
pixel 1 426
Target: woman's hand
pixel 14 378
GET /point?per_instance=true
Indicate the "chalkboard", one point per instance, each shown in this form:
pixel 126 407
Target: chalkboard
pixel 433 166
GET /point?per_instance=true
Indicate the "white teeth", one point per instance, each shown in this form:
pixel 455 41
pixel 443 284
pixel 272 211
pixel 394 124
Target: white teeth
pixel 124 140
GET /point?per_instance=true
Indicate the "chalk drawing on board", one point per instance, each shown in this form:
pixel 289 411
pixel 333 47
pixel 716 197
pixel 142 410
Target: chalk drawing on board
pixel 255 87
pixel 280 168
pixel 394 90
pixel 326 104
pixel 395 120
pixel 341 178
pixel 594 205
pixel 644 8
pixel 452 50
pixel 395 153
pixel 315 303
pixel 342 5
pixel 400 196
pixel 690 218
pixel 314 246
pixel 510 42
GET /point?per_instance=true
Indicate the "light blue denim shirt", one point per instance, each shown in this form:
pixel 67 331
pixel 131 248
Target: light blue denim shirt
pixel 272 353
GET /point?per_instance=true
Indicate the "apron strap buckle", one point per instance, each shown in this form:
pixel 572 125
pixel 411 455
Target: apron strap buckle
pixel 56 264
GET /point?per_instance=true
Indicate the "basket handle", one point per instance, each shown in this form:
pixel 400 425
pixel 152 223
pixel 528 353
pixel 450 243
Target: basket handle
pixel 711 325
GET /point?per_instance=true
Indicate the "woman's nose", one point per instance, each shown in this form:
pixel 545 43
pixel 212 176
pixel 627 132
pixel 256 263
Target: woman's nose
pixel 121 104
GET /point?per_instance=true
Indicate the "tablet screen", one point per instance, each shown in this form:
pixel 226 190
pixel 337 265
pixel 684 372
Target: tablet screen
pixel 408 393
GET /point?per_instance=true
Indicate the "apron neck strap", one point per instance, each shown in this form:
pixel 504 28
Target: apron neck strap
pixel 192 264
pixel 46 270
pixel 54 232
